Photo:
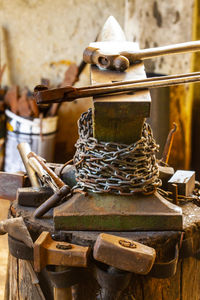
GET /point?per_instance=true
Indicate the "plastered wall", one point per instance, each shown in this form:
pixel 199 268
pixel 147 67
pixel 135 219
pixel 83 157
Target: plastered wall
pixel 45 36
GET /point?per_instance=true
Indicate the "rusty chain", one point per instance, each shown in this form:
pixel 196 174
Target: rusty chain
pixel 106 167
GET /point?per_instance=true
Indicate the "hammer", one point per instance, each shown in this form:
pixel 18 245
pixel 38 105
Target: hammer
pixel 60 188
pixel 122 60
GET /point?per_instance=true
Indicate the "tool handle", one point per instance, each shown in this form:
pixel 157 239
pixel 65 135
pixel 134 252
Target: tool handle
pixel 164 50
pixel 51 202
pixel 51 173
pixel 24 149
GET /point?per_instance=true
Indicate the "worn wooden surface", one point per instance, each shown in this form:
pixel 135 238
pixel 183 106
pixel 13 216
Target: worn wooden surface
pixel 184 285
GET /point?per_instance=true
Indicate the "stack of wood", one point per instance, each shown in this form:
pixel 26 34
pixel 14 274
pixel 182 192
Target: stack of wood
pixel 23 102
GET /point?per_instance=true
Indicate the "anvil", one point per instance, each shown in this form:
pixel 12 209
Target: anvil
pixel 119 119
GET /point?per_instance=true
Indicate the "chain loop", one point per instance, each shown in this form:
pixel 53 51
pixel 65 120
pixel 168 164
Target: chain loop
pixel 106 167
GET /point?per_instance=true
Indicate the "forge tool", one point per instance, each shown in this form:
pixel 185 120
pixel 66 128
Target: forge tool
pixel 115 158
pixel 101 55
pixel 45 96
pixel 48 176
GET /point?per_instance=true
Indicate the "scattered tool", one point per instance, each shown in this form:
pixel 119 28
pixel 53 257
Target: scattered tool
pixel 33 196
pixel 47 175
pixel 124 254
pixel 24 149
pixel 45 96
pixel 120 61
pixel 185 180
pixel 50 252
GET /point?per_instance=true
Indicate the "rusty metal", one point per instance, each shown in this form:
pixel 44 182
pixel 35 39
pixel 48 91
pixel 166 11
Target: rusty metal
pixel 33 197
pixel 64 247
pixel 127 244
pixel 52 201
pixel 185 181
pixel 51 173
pixel 112 167
pixel 123 254
pixel 49 177
pixel 168 144
pixel 121 61
pixel 175 193
pixel 44 95
pixel 42 174
pixel 46 252
pixel 112 281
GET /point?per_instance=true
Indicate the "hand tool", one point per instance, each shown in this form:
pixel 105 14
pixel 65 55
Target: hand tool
pixel 124 254
pixel 59 187
pixel 120 61
pixel 50 252
pixel 71 76
pixel 24 149
pixel 33 196
pixel 66 94
pixel 42 174
pixel 185 181
pixel 168 144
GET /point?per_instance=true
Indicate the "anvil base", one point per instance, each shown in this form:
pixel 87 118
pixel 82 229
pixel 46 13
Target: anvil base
pixel 117 213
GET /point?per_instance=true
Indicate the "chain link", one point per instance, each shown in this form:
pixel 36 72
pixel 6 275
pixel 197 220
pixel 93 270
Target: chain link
pixel 106 167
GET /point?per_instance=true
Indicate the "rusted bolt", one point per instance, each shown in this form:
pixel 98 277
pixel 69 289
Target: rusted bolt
pixel 64 247
pixel 127 244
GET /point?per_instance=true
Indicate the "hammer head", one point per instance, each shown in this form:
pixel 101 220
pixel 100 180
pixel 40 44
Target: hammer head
pixel 124 254
pixel 107 55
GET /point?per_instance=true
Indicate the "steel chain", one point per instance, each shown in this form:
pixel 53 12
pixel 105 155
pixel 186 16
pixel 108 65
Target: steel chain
pixel 106 167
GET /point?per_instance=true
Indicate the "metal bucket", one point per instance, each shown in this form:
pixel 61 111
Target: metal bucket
pixel 39 135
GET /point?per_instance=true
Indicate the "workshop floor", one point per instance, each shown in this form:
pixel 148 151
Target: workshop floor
pixel 4 204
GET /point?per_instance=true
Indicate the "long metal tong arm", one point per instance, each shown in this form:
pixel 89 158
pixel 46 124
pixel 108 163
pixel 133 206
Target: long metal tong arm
pixel 69 93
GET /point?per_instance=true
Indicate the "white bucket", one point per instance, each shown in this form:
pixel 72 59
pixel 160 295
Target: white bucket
pixel 22 130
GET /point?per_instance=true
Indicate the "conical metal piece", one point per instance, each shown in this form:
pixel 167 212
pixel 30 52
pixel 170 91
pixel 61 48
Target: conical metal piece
pixel 111 31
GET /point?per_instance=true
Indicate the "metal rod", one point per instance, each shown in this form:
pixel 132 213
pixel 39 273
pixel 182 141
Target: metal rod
pixel 71 93
pixel 164 50
pixel 168 144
